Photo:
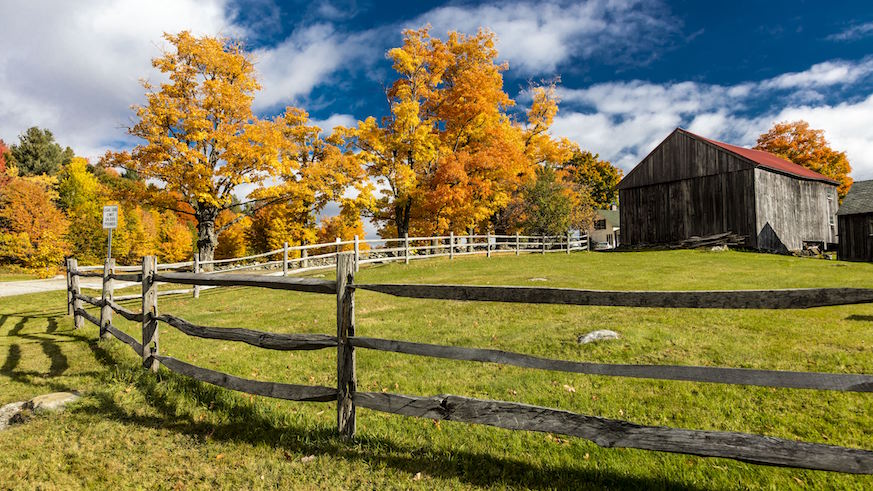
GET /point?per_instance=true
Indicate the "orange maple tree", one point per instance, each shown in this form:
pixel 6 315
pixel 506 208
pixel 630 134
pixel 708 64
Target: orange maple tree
pixel 448 153
pixel 808 147
pixel 32 228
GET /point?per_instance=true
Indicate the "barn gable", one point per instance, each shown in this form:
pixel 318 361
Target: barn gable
pixel 682 155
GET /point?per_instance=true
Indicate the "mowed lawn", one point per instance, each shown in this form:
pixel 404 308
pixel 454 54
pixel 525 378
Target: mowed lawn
pixel 134 429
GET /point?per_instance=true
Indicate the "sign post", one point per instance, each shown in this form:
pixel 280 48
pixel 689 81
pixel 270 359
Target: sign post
pixel 110 222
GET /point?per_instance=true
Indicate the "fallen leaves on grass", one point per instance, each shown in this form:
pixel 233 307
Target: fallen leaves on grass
pixel 307 459
pixel 569 388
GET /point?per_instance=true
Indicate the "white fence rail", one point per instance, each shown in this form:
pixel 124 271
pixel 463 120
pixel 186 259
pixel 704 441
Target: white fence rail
pixel 300 259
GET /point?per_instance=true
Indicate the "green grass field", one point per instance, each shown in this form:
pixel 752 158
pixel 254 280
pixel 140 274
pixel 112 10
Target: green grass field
pixel 133 429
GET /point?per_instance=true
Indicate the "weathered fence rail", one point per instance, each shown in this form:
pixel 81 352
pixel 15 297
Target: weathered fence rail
pixel 510 415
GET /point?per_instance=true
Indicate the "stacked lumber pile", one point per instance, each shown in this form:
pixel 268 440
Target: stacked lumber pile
pixel 721 240
pixel 726 239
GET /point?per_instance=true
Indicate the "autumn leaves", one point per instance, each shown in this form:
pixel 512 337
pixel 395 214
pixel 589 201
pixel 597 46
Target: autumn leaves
pixel 449 155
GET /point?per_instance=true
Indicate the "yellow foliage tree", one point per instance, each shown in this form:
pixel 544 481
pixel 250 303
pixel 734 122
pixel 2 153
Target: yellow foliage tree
pixel 175 244
pixel 232 241
pixel 448 153
pixel 202 139
pixel 320 170
pixel 345 226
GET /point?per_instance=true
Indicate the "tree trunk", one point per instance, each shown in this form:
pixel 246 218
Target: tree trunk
pixel 207 239
pixel 401 217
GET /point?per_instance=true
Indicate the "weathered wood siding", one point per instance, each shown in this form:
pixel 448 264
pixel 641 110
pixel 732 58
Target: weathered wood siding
pixel 681 157
pixel 687 186
pixel 790 211
pixel 856 244
pixel 672 211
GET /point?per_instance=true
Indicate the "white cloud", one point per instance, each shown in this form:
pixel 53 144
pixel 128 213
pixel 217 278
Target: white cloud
pixel 822 75
pixel 334 120
pixel 304 60
pixel 74 67
pixel 538 37
pixel 625 120
pixel 853 33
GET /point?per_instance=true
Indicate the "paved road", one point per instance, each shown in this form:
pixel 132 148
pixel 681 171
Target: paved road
pixel 10 288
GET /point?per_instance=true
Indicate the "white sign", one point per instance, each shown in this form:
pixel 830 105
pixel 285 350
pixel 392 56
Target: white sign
pixel 110 217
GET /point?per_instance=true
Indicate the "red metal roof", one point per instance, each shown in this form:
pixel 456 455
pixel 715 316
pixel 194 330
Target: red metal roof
pixel 768 160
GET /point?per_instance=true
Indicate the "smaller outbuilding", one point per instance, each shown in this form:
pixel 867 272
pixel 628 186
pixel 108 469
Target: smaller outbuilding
pixel 855 223
pixel 606 228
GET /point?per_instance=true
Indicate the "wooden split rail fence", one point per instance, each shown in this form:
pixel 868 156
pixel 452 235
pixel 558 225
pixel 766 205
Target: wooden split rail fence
pixel 511 415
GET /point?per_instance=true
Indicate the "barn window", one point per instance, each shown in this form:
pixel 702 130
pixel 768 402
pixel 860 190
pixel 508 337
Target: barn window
pixel 600 224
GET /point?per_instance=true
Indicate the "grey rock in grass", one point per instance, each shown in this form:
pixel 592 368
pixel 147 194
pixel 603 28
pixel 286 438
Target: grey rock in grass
pixel 599 335
pixel 20 412
pixel 56 401
pixel 538 279
pixel 719 248
pixel 8 411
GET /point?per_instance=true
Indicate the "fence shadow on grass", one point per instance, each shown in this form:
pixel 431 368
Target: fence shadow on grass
pixel 171 395
pixel 25 331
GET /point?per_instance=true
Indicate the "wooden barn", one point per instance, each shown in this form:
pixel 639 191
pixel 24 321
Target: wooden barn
pixel 690 185
pixel 855 223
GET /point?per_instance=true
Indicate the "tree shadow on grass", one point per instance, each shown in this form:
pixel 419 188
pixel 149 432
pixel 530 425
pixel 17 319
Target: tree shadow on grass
pixel 173 395
pixel 859 317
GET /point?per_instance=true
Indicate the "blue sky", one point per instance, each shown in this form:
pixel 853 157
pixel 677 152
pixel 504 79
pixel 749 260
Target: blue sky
pixel 631 70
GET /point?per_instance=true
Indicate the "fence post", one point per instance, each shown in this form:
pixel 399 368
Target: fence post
pixel 544 244
pixel 347 380
pixel 196 288
pixel 406 248
pixel 588 242
pixel 107 296
pixel 149 313
pixel 357 253
pixel 451 245
pixel 69 287
pixel 517 244
pixel 568 242
pixel 488 244
pixel 75 291
pixel 469 239
pixel 304 253
pixel 285 258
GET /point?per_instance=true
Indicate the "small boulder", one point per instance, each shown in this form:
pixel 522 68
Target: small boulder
pixel 56 401
pixel 599 335
pixel 719 248
pixel 7 412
